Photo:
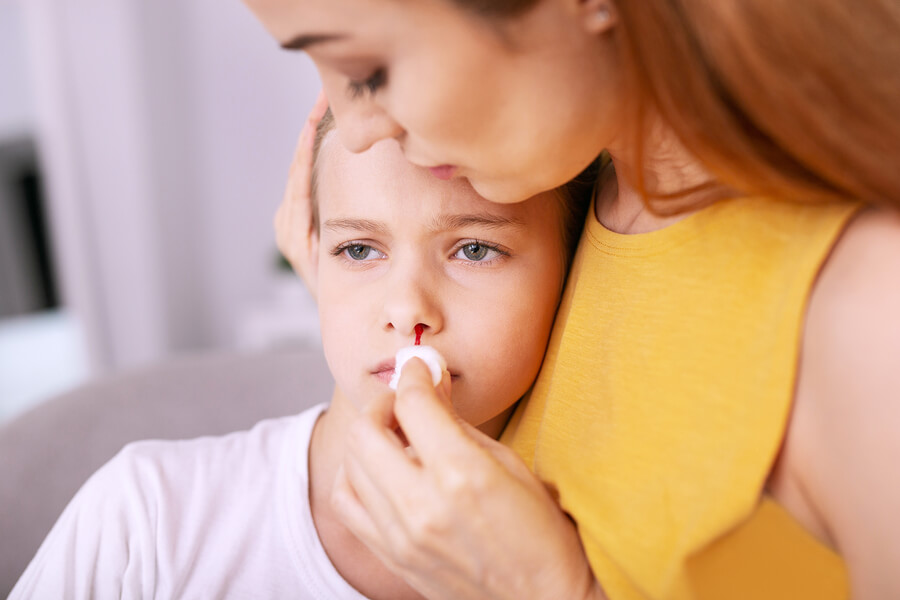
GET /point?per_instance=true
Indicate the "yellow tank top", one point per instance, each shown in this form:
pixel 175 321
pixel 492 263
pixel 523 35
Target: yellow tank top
pixel 664 397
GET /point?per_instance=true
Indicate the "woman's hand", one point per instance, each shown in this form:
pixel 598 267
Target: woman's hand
pixel 457 514
pixel 294 232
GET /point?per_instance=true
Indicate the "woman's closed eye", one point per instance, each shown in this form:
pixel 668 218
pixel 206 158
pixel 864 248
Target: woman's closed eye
pixel 479 252
pixel 368 86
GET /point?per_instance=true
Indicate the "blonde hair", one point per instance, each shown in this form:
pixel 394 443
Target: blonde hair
pixel 325 125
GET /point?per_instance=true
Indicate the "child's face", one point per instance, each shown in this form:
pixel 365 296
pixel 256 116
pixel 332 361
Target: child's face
pixel 400 247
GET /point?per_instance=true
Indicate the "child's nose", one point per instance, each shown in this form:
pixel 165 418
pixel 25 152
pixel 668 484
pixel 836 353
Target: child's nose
pixel 410 304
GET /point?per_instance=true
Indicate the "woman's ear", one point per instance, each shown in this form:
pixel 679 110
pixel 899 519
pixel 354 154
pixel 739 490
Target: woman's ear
pixel 597 16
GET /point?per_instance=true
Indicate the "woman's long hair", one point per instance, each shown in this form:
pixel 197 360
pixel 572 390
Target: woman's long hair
pixel 789 98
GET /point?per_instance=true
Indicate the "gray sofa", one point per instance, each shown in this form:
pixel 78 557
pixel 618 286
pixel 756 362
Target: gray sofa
pixel 48 452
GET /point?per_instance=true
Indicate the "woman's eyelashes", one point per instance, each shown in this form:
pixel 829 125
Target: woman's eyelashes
pixel 369 85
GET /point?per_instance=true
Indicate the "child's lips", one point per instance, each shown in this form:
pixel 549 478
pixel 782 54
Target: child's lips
pixel 385 370
pixel 384 376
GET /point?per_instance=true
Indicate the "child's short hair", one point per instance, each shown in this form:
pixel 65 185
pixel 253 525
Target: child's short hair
pixel 575 196
pixel 326 125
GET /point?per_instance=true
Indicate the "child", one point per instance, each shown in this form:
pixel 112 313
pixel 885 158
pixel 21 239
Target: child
pixel 247 515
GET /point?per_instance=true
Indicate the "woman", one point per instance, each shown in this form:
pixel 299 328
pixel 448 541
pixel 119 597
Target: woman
pixel 718 404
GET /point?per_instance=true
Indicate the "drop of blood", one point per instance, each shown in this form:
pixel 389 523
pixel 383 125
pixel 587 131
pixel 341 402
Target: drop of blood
pixel 419 329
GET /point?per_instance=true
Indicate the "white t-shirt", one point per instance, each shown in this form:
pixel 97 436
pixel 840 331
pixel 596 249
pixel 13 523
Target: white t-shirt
pixel 214 517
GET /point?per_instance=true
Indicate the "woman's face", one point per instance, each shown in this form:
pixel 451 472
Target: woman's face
pixel 515 106
pixel 398 248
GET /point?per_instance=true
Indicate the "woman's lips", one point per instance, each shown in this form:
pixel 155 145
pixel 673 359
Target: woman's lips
pixel 443 171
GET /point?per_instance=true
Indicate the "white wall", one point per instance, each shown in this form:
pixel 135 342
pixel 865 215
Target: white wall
pixel 250 100
pixel 166 129
pixel 16 107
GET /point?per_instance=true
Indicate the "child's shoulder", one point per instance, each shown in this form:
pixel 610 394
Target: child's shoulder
pixel 156 486
pixel 211 498
pixel 254 453
pixel 151 477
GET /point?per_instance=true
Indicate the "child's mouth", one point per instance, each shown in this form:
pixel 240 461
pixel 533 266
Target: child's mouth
pixel 383 373
pixel 384 370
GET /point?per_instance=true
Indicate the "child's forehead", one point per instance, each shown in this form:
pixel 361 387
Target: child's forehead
pixel 381 183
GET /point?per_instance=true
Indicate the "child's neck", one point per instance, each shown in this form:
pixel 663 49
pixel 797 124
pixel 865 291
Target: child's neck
pixel 350 557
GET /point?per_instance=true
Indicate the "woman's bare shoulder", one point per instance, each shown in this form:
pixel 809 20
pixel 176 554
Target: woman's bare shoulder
pixel 855 300
pixel 846 420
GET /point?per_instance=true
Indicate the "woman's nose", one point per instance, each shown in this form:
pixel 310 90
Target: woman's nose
pixel 360 126
pixel 410 303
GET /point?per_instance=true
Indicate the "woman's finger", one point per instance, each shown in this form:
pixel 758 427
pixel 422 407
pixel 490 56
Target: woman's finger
pixel 357 518
pixel 350 510
pixel 386 515
pixel 428 422
pixel 294 232
pixel 507 459
pixel 379 468
pixel 301 166
pixel 354 516
pixel 380 410
pixel 318 109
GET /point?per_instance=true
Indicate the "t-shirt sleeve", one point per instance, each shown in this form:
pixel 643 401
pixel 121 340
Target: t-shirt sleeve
pixel 102 546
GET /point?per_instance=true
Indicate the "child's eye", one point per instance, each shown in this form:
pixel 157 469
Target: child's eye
pixel 478 252
pixel 359 252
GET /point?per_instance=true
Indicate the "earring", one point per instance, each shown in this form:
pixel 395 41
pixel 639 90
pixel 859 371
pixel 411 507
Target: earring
pixel 599 16
pixel 603 14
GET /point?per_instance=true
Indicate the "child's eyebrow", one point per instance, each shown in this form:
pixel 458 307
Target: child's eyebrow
pixel 439 223
pixel 451 222
pixel 355 225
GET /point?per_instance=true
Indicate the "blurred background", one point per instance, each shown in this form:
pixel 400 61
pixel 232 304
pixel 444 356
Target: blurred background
pixel 143 151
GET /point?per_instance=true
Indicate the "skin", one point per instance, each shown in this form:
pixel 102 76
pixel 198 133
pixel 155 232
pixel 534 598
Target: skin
pixel 441 99
pixel 457 90
pixel 396 248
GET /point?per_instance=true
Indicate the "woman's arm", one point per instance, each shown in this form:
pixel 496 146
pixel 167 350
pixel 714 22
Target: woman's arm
pixel 457 514
pixel 845 431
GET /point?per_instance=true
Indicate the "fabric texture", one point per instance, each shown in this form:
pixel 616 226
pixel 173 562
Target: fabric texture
pixel 665 394
pixel 213 517
pixel 47 453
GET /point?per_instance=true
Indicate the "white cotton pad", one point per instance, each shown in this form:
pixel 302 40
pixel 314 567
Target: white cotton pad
pixel 436 363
